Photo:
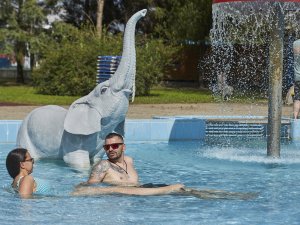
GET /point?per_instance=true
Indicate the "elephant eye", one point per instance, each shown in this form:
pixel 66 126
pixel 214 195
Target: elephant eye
pixel 103 90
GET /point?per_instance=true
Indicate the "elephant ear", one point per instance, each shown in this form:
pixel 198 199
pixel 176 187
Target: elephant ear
pixel 82 118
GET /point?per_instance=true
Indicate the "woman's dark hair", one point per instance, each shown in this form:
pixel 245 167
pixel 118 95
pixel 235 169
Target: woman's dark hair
pixel 13 160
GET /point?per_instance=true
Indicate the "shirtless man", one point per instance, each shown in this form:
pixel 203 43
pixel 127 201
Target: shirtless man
pixel 118 169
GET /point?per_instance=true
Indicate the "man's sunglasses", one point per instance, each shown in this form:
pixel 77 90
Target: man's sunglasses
pixel 114 146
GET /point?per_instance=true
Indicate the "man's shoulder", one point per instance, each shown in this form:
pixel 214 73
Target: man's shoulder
pixel 128 159
pixel 102 163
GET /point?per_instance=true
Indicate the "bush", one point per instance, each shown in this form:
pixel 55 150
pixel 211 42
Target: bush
pixel 69 58
pixel 152 58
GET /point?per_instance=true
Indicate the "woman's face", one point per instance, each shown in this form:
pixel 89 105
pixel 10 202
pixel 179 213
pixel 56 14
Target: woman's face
pixel 28 163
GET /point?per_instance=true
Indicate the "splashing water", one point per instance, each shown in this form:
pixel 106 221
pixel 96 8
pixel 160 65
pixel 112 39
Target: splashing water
pixel 248 155
pixel 240 38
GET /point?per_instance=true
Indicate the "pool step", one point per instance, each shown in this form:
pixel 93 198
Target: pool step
pixel 240 129
pixel 235 129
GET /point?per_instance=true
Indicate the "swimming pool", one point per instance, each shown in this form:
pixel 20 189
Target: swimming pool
pixel 213 164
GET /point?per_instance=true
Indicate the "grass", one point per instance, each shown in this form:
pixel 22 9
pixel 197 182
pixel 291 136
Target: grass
pixel 28 95
pixel 23 94
pixel 175 95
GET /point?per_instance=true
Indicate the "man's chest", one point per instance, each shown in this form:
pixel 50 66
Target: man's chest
pixel 114 175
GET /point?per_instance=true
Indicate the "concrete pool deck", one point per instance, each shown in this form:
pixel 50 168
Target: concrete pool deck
pixel 172 122
pixel 148 111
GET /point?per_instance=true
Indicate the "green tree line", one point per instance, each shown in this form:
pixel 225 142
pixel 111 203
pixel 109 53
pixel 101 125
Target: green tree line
pixel 63 54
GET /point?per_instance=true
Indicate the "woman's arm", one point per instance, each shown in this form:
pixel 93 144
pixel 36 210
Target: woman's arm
pixel 85 191
pixel 26 187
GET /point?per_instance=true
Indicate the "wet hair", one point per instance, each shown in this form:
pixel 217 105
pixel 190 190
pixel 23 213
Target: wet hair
pixel 111 135
pixel 13 160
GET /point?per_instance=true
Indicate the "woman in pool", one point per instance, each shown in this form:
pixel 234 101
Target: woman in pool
pixel 19 164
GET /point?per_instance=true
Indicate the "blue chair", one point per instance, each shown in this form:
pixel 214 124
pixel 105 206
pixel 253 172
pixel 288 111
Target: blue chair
pixel 4 62
pixel 106 67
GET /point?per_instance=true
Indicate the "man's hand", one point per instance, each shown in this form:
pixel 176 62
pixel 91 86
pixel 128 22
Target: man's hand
pixel 176 187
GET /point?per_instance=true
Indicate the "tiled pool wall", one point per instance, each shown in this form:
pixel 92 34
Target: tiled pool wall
pixel 171 129
pixel 135 130
pixel 168 129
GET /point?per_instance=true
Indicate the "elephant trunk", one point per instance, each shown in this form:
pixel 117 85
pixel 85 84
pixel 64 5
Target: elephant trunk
pixel 124 77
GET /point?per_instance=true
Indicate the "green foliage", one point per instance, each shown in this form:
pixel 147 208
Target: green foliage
pixel 180 20
pixel 152 58
pixel 21 24
pixel 69 60
pixel 173 20
pixel 68 55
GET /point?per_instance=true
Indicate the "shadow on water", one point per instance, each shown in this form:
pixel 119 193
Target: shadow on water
pixel 56 162
pixel 62 166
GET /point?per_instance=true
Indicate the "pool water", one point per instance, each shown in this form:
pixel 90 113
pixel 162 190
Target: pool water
pixel 231 165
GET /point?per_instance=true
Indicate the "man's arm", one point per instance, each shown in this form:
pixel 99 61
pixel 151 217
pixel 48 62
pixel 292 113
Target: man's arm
pixel 89 191
pixel 98 173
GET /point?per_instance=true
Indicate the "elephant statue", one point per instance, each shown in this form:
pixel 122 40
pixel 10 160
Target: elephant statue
pixel 77 135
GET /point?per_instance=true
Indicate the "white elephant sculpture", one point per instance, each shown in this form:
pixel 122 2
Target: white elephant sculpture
pixel 77 135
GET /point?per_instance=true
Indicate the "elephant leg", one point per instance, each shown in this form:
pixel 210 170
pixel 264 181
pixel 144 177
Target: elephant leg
pixel 120 128
pixel 78 159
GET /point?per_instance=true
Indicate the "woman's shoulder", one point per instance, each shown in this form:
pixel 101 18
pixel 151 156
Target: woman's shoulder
pixel 26 186
pixel 26 179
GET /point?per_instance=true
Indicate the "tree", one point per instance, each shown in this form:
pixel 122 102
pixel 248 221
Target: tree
pixel 80 12
pixel 70 59
pixel 173 20
pixel 22 22
pixel 181 20
pixel 100 17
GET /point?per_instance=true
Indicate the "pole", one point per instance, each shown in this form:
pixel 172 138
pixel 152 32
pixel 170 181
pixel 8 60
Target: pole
pixel 275 81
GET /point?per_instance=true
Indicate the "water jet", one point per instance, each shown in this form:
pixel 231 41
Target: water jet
pixel 256 24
